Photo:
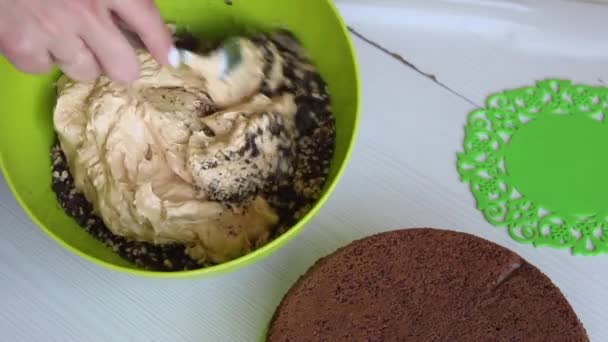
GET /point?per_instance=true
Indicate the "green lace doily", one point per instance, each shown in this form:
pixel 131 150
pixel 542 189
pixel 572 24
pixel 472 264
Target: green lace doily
pixel 536 160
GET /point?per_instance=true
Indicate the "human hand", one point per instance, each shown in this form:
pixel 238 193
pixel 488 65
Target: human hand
pixel 82 37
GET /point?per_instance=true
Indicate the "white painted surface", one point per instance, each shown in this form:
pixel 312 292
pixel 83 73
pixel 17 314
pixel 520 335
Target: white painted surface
pixel 402 175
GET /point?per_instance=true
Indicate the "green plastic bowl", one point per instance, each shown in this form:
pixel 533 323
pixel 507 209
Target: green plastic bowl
pixel 27 104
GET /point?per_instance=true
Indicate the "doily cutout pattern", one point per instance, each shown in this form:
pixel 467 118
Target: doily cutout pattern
pixel 482 165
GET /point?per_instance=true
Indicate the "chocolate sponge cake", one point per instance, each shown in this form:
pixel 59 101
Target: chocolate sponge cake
pixel 424 285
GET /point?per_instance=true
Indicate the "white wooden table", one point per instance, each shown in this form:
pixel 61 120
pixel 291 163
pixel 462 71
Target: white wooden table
pixel 402 175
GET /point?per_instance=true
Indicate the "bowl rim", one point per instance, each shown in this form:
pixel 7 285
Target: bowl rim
pixel 253 256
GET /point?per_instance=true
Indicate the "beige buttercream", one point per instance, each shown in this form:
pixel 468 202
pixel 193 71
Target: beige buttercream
pixel 181 155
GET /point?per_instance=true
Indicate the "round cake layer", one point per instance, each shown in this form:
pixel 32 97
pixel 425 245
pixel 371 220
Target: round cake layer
pixel 422 285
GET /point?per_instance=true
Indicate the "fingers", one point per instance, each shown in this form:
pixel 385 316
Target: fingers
pixel 24 51
pixel 81 36
pixel 114 53
pixel 75 59
pixel 144 19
